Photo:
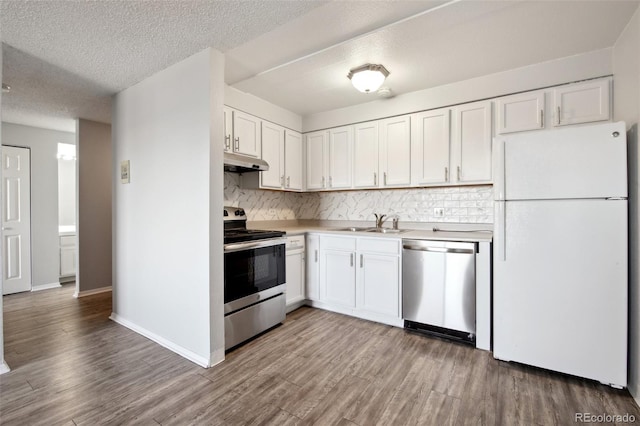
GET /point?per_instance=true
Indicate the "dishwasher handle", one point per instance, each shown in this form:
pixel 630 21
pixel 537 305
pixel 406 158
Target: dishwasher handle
pixel 437 249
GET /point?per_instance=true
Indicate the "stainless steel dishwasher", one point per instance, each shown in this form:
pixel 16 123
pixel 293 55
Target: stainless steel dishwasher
pixel 439 288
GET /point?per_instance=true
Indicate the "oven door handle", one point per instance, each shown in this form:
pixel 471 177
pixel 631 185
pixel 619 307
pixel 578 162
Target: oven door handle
pixel 230 248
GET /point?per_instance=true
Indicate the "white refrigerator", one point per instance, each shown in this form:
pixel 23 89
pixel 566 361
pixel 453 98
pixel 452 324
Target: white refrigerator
pixel 560 251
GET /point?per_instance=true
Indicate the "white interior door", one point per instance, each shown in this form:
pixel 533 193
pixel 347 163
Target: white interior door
pixel 16 220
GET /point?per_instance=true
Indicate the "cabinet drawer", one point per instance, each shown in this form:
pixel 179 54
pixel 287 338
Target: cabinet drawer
pixel 379 245
pixel 67 241
pixel 337 243
pixel 295 242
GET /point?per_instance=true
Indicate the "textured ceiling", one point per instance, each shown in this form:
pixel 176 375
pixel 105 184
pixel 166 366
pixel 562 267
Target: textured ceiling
pixel 97 48
pixel 65 59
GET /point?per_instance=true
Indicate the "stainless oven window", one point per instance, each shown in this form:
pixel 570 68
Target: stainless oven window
pixel 253 270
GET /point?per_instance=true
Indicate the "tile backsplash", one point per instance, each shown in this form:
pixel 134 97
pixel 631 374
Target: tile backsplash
pixel 465 204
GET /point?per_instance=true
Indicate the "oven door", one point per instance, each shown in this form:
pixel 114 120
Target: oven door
pixel 253 267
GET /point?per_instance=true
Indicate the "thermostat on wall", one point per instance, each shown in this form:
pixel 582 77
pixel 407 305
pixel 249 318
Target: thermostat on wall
pixel 125 176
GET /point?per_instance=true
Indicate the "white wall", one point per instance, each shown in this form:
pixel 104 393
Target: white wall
pixel 167 223
pixel 45 253
pixel 565 70
pixel 626 97
pixel 93 163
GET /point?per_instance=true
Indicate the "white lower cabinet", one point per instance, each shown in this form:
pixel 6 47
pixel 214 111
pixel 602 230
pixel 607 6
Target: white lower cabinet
pixel 378 285
pixel 358 276
pixel 295 272
pixel 67 255
pixel 337 270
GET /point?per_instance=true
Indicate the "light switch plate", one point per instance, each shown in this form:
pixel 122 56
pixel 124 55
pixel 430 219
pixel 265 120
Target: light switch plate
pixel 125 172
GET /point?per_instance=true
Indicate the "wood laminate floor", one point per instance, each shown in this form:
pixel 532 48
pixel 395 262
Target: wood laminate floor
pixel 71 365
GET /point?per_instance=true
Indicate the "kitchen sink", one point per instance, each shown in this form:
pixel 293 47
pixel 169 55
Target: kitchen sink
pixel 386 230
pixel 352 229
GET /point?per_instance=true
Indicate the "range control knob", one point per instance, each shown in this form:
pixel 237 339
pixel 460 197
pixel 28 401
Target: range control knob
pixel 239 212
pixel 226 213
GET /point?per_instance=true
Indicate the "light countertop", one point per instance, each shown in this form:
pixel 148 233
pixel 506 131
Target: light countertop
pixel 419 234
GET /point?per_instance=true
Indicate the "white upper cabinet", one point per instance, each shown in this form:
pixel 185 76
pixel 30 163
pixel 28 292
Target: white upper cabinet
pixel 582 102
pixel 365 155
pixel 340 157
pixel 430 147
pixel 293 160
pixel 273 154
pixel 521 112
pixel 472 133
pixel 317 149
pixel 246 134
pixel 395 151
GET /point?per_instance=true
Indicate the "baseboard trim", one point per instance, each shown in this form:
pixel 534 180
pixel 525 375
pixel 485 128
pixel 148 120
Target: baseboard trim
pixel 183 352
pixel 295 305
pixel 4 368
pixel 217 357
pixel 45 286
pixel 85 293
pixel 635 396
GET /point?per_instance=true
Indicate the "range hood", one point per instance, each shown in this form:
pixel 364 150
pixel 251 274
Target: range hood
pixel 238 163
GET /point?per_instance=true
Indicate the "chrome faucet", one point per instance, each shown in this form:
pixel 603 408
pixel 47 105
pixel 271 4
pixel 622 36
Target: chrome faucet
pixel 379 219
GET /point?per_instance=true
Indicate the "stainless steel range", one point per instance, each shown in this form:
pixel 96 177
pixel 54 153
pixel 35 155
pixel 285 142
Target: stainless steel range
pixel 254 278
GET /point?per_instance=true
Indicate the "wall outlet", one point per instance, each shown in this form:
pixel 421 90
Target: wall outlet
pixel 438 212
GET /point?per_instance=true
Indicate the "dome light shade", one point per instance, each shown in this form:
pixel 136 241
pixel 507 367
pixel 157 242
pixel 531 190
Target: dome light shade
pixel 368 78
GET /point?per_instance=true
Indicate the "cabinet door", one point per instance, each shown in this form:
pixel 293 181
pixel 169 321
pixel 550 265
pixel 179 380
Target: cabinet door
pixel 313 267
pixel 582 103
pixel 379 284
pixel 228 128
pixel 340 160
pixel 365 155
pixel 293 160
pixel 295 277
pixel 273 154
pixel 316 148
pixel 246 134
pixel 395 156
pixel 338 277
pixel 518 113
pixel 430 147
pixel 471 162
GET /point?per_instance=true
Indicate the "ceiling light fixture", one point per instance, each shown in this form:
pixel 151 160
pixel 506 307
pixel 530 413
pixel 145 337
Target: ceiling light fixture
pixel 6 88
pixel 368 78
